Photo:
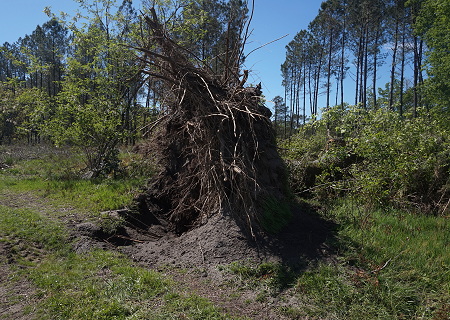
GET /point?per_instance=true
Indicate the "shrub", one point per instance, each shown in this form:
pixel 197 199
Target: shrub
pixel 387 159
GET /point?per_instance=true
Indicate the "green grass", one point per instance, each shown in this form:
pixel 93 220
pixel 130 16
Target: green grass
pixel 390 265
pixel 268 278
pixel 413 249
pixel 54 174
pixel 31 226
pixel 275 215
pixel 394 266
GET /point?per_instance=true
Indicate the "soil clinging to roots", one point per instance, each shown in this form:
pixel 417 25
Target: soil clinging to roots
pixel 214 137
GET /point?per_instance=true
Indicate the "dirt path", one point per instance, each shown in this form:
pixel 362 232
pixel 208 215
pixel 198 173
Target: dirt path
pixel 17 294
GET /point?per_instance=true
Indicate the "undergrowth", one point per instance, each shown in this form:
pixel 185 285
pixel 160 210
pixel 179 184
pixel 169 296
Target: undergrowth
pixel 57 175
pixel 388 159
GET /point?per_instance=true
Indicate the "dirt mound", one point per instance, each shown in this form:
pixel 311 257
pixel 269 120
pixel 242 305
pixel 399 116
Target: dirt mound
pixel 222 240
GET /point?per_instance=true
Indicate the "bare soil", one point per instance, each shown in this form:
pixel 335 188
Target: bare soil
pixel 15 294
pixel 223 240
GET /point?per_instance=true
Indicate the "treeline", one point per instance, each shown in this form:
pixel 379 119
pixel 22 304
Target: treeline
pixel 390 146
pixel 352 39
pixel 76 79
pixel 35 60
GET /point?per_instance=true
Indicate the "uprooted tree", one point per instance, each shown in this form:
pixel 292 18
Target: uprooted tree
pixel 213 137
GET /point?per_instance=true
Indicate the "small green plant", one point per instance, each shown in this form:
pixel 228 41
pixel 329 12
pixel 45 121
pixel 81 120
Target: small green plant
pixel 9 161
pixel 110 224
pixel 275 215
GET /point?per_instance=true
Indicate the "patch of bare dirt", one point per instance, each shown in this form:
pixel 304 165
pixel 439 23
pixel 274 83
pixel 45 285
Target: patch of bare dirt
pixel 17 295
pixel 222 240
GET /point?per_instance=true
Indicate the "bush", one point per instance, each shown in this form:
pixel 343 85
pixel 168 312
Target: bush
pixel 387 159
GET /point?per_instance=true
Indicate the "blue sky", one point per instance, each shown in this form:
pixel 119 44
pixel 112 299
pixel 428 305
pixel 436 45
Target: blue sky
pixel 271 20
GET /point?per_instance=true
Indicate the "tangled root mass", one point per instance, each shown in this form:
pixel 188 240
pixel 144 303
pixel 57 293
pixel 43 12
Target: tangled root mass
pixel 214 138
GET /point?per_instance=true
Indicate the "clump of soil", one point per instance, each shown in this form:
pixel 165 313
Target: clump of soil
pixel 219 240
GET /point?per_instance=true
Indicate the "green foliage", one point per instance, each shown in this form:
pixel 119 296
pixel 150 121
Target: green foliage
pixel 387 159
pixel 203 28
pixel 433 24
pixel 16 108
pixel 92 109
pixel 86 118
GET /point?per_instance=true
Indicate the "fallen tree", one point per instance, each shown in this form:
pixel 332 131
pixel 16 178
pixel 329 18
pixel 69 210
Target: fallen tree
pixel 214 138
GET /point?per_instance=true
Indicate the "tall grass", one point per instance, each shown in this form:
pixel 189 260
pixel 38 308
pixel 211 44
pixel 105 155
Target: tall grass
pixel 395 265
pixel 389 265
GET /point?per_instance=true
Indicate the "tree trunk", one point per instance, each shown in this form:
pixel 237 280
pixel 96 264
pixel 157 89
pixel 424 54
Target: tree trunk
pixel 391 88
pixel 366 40
pixel 374 85
pixel 342 60
pixel 358 59
pixel 330 48
pixel 402 70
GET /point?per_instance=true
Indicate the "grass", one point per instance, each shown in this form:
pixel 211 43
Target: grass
pixel 267 277
pixel 275 215
pixel 96 285
pixel 31 226
pixel 403 258
pixel 54 174
pixel 390 265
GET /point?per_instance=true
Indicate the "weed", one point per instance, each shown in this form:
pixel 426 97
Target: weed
pixel 291 312
pixel 275 215
pixel 9 161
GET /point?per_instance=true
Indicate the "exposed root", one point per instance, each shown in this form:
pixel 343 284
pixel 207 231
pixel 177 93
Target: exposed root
pixel 214 138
